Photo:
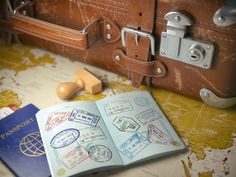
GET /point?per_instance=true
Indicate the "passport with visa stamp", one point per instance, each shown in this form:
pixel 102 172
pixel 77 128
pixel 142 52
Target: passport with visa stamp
pixel 21 146
pixel 83 136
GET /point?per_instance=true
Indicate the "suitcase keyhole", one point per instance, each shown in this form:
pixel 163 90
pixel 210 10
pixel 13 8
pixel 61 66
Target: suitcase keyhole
pixel 196 53
pixel 194 57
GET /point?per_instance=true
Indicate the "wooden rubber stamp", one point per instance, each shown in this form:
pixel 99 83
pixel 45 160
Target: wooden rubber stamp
pixel 84 80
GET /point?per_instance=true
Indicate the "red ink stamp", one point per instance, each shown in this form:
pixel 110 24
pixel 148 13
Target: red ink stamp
pixel 74 157
pixel 56 118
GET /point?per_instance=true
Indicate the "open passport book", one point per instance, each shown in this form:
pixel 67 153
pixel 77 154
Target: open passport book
pixel 115 131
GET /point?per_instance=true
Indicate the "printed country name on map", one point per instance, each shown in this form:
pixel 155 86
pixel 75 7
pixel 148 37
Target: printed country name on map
pixel 16 128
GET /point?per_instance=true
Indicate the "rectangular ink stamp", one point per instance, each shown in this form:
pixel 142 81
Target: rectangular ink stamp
pixel 148 116
pixel 135 144
pixel 91 134
pixel 126 124
pixel 84 117
pixel 74 157
pixel 118 107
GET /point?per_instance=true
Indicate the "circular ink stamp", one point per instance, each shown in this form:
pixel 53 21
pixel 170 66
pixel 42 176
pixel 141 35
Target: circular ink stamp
pixel 65 138
pixel 141 101
pixel 100 153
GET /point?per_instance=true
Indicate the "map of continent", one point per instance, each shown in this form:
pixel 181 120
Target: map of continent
pixel 20 58
pixel 8 97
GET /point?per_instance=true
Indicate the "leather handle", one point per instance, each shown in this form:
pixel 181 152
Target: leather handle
pixel 49 31
pixel 21 20
pixel 82 40
pixel 16 22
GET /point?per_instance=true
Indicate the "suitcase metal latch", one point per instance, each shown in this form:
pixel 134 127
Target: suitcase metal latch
pixel 175 45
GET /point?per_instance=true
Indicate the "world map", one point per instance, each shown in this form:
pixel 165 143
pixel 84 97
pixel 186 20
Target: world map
pixel 32 145
pixel 30 75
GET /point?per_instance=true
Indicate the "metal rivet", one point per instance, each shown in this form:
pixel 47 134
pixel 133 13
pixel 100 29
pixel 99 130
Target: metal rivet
pixel 205 65
pixel 117 58
pixel 108 36
pixel 221 19
pixel 22 2
pixel 208 47
pixel 163 53
pixel 159 70
pixel 24 12
pixel 206 94
pixel 108 26
pixel 177 18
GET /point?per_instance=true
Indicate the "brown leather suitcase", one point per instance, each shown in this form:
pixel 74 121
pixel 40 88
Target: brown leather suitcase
pixel 184 46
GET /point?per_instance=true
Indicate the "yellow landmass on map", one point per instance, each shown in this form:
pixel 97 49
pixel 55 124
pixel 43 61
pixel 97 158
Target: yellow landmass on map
pixel 206 174
pixel 202 126
pixel 19 58
pixel 186 169
pixel 89 97
pixel 9 97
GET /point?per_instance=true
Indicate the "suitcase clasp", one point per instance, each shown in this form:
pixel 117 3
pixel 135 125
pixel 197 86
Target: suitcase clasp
pixel 176 46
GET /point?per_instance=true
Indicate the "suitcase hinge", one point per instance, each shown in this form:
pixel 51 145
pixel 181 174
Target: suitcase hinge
pixel 175 45
pixel 226 15
pixel 22 8
pixel 9 32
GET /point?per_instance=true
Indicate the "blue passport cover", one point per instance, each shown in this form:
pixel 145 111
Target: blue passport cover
pixel 21 146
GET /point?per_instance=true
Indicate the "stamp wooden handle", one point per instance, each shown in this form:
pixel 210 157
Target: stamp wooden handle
pixel 84 79
pixel 67 90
